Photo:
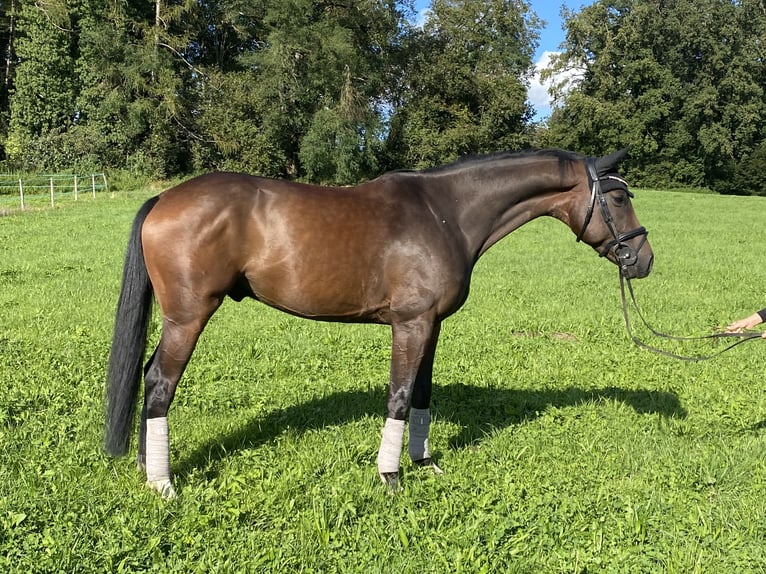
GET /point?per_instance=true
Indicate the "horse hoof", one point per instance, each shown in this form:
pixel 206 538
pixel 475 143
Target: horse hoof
pixel 164 487
pixel 141 462
pixel 391 480
pixel 428 463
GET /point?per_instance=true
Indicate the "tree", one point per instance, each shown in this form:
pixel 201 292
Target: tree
pixel 333 91
pixel 134 106
pixel 7 39
pixel 303 99
pixel 466 79
pixel 44 90
pixel 750 173
pixel 340 143
pixel 327 64
pixel 680 81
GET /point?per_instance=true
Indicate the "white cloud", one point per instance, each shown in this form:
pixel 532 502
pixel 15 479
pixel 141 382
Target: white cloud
pixel 538 93
pixel 422 15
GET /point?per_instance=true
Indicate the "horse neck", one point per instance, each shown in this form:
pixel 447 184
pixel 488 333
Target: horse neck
pixel 494 198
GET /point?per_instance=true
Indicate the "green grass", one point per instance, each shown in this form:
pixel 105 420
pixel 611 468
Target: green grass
pixel 565 447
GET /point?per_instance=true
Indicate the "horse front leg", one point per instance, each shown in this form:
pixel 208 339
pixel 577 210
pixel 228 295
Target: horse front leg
pixel 413 342
pixel 420 414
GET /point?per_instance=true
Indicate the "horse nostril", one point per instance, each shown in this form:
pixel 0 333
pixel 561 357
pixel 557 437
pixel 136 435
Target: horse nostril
pixel 646 270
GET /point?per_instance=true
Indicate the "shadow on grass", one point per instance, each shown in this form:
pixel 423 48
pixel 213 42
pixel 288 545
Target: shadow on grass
pixel 474 409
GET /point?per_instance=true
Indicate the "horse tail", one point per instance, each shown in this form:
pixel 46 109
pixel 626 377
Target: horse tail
pixel 129 341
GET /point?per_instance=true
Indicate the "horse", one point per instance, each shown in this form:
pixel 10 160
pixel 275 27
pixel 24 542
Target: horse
pixel 397 250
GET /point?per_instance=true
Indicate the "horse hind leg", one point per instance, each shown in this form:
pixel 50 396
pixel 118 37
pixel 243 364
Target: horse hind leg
pixel 163 371
pixel 141 458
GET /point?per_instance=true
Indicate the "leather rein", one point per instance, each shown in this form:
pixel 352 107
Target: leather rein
pixel 743 337
pixel 626 256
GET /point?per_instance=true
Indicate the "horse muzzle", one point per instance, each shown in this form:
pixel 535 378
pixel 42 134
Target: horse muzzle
pixel 634 262
pixel 639 269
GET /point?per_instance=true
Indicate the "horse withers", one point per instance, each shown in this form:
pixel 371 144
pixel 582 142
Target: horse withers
pixel 397 250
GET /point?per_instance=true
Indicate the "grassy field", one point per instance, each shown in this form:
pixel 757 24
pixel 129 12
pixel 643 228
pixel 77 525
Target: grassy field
pixel 565 447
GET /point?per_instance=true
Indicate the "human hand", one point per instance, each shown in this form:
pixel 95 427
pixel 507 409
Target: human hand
pixel 746 323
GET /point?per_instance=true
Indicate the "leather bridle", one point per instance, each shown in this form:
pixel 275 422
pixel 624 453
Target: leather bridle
pixel 624 254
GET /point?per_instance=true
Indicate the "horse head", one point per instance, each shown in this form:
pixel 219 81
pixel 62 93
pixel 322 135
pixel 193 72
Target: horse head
pixel 609 223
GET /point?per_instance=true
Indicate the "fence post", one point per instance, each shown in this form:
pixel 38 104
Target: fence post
pixel 21 194
pixel 75 188
pixel 93 184
pixel 52 205
pixel 106 187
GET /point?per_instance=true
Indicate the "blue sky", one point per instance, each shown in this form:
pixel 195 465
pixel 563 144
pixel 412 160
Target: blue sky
pixel 552 35
pixel 550 38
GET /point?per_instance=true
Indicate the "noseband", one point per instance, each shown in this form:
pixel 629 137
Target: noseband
pixel 624 253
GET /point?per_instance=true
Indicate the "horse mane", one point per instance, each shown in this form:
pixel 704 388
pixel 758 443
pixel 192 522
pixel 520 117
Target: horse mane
pixel 472 160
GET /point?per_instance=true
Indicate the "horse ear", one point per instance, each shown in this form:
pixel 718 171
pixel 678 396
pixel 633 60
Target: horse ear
pixel 608 163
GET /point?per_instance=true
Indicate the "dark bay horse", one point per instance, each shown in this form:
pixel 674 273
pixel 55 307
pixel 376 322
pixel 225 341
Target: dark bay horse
pixel 397 250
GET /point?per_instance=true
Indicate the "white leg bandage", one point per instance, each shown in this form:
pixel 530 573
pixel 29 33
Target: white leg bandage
pixel 390 446
pixel 420 423
pixel 158 457
pixel 157 450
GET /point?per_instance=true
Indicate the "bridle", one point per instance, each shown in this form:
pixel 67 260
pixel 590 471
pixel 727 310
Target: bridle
pixel 625 255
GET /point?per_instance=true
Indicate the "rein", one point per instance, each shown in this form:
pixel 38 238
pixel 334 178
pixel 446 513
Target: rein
pixel 743 337
pixel 626 256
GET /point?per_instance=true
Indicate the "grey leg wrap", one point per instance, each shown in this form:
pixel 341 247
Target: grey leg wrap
pixel 420 423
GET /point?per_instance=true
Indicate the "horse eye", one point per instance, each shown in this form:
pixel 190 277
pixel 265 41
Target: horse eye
pixel 620 198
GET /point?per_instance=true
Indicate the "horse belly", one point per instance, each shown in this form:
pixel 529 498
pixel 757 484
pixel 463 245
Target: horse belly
pixel 314 286
pixel 364 281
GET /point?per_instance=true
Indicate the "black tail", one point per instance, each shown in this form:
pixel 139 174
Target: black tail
pixel 129 342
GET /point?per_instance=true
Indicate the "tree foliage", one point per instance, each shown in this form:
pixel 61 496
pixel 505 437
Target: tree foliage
pixel 681 81
pixel 466 82
pixel 42 102
pixel 333 91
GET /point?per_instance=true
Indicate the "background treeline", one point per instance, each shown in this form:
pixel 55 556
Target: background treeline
pixel 336 91
pixel 681 80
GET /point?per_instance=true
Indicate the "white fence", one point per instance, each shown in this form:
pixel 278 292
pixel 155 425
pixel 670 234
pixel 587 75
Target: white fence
pixel 24 189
